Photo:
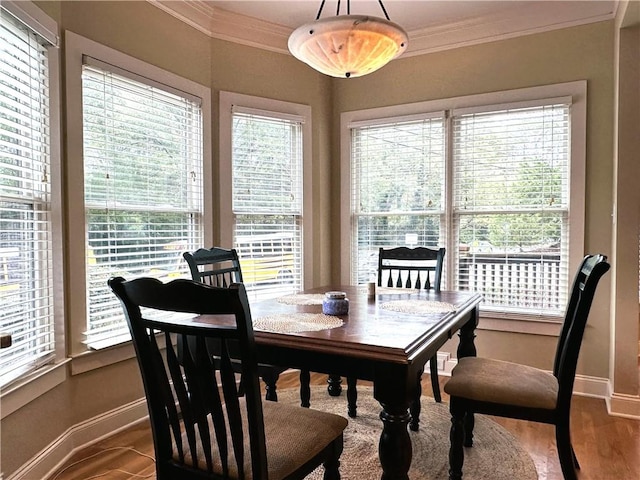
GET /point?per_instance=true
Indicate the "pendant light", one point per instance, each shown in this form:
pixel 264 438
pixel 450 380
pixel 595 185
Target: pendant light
pixel 348 46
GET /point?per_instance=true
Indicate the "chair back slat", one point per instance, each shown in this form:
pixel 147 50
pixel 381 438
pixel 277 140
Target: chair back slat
pixel 217 414
pixel 230 393
pixel 403 264
pixel 197 418
pixel 191 403
pixel 593 267
pixel 180 393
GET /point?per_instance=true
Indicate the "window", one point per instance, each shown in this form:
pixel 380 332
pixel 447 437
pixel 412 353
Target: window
pixel 266 174
pixel 267 201
pixel 142 188
pixel 28 176
pixel 398 188
pixel 491 182
pixel 510 206
pixel 138 136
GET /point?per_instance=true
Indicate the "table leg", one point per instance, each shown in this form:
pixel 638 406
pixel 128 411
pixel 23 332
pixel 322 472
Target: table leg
pixel 270 379
pixel 335 385
pixel 305 388
pixel 395 444
pixel 416 407
pixel 352 397
pixel 467 346
pixel 395 388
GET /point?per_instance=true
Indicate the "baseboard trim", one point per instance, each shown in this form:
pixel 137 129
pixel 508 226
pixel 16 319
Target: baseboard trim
pixel 449 363
pixel 44 463
pixel 626 406
pixel 444 367
pixel 591 386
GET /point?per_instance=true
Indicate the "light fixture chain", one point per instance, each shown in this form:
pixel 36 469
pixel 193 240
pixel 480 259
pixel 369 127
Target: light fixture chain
pixel 320 11
pixel 384 10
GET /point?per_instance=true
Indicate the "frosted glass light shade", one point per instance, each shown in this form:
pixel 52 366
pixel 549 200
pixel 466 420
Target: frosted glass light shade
pixel 348 46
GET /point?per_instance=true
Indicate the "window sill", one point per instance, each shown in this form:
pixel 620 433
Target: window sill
pixel 104 354
pixel 94 359
pixel 546 326
pixel 27 389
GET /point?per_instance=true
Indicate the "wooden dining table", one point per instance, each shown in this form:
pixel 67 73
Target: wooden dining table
pixel 386 338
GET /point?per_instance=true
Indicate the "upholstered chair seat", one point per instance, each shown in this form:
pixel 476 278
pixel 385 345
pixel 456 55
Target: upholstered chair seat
pixel 286 448
pixel 496 381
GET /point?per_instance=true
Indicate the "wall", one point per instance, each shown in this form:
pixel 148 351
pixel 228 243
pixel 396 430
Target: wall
pixel 625 329
pixel 579 53
pixel 141 30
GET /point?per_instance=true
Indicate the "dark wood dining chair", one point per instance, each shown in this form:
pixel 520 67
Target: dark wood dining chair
pixel 505 389
pixel 426 264
pixel 220 267
pixel 403 267
pixel 202 427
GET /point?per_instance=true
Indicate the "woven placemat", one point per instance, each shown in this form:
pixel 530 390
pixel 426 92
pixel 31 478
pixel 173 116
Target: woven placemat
pixel 296 322
pixel 418 306
pixel 302 299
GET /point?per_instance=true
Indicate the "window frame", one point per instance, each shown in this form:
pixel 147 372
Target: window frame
pixel 28 387
pixel 76 47
pixel 285 109
pixel 577 90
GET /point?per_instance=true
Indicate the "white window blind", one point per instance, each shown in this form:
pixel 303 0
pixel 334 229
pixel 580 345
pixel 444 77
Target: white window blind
pixel 511 208
pixel 26 276
pixel 267 201
pixel 143 186
pixel 398 185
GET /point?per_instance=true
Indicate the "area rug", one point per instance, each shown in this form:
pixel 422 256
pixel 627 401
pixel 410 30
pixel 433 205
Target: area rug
pixel 496 454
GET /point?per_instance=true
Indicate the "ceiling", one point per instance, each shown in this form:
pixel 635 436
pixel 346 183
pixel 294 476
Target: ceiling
pixel 432 25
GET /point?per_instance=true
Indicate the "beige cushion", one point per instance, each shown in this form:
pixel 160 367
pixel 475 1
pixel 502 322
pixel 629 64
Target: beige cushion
pixel 294 435
pixel 495 381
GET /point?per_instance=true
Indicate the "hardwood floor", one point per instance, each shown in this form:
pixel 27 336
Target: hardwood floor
pixel 608 448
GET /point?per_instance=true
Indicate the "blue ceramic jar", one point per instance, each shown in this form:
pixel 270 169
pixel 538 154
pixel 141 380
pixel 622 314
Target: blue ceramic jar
pixel 335 303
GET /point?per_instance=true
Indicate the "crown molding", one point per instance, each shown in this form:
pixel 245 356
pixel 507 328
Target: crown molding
pixel 254 32
pixel 197 13
pixel 527 20
pixel 249 31
pixel 628 14
pixel 223 25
